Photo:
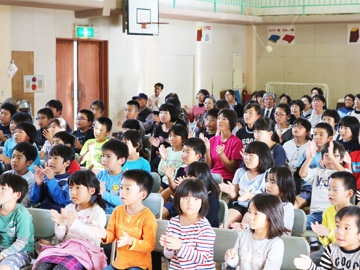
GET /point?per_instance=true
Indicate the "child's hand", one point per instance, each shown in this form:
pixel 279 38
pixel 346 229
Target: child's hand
pixel 220 149
pixel 39 175
pixel 331 151
pixel 230 254
pixel 320 229
pixel 163 240
pixel 124 240
pixel 102 187
pixel 70 217
pixel 91 146
pixel 119 125
pixel 228 188
pixel 347 158
pixel 154 142
pixel 78 145
pixel 56 217
pixel 304 262
pixel 172 242
pixel 1 256
pixel 238 226
pixel 163 152
pixel 179 180
pixel 310 151
pixel 206 141
pixel 47 135
pixel 97 231
pixel 168 171
pixel 49 172
pixel 246 196
pixel 4 159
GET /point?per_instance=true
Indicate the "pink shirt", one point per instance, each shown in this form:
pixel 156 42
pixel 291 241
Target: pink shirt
pixel 195 112
pixel 232 151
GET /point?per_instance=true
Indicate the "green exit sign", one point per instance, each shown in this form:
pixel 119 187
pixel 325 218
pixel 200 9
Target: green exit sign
pixel 84 32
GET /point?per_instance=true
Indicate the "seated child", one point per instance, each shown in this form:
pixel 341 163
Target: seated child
pixel 6 111
pixel 44 116
pixel 56 125
pixel 331 117
pixel 56 107
pixel 51 189
pixel 16 227
pixel 84 132
pixel 97 107
pixel 349 132
pixel 210 124
pixel 128 125
pixel 114 156
pixel 132 225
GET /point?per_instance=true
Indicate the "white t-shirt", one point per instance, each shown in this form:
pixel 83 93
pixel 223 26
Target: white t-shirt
pixel 294 153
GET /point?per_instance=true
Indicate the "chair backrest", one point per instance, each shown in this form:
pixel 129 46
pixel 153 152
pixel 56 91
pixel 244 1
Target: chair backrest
pixel 222 216
pixel 148 153
pixel 155 203
pixel 157 181
pixel 42 163
pixel 299 226
pixel 219 180
pixel 146 142
pixel 161 229
pixel 44 227
pixel 225 239
pixel 293 247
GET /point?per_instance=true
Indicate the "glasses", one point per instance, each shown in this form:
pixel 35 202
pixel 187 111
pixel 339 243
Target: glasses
pixel 81 119
pixel 41 118
pixel 298 126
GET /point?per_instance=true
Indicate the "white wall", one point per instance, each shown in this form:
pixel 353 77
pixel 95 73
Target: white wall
pixel 5 53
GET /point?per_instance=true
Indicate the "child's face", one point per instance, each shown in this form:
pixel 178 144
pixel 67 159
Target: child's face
pixel 130 146
pixel 96 110
pixel 54 128
pixel 12 126
pixel 299 130
pixel 349 103
pixel 20 136
pixel 317 104
pixel 130 192
pixel 357 103
pixel 307 103
pixel 328 163
pixel 280 116
pixel 209 104
pixel 56 113
pixel 57 164
pixel 190 205
pixel 250 116
pixel 251 160
pixel 189 156
pixel 321 137
pixel 329 120
pixel 57 141
pixel 19 163
pixel 43 120
pixel 165 116
pixel 223 123
pixel 337 193
pixel 347 233
pixel 5 117
pixel 295 110
pixel 7 195
pixel 82 122
pixel 175 140
pixel 262 135
pixel 257 220
pixel 100 131
pixel 110 161
pixel 345 133
pixel 80 194
pixel 271 185
pixel 283 100
pixel 211 123
pixel 130 112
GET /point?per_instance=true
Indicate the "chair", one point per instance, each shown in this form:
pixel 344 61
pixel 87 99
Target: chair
pixel 155 203
pixel 44 227
pixel 146 142
pixel 161 229
pixel 225 239
pixel 219 180
pixel 157 181
pixel 148 153
pixel 299 226
pixel 222 216
pixel 293 247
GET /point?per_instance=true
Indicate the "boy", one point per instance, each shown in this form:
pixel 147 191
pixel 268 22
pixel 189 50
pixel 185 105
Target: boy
pixel 133 225
pixel 115 154
pixel 158 99
pixel 131 111
pixel 44 116
pixel 6 111
pixel 331 117
pixel 252 112
pixel 356 112
pixel 210 123
pixel 22 158
pixel 91 151
pixel 345 253
pixel 56 107
pixel 51 189
pixel 16 227
pixel 84 132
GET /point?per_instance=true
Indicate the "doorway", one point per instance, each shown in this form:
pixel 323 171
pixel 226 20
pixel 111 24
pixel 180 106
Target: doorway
pixel 81 75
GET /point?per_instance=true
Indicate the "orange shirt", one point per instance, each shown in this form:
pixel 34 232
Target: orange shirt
pixel 142 228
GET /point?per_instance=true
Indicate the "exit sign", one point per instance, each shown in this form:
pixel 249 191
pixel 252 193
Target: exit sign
pixel 84 32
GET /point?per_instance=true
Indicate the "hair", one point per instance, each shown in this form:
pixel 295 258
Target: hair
pixel 202 171
pixel 134 103
pixel 285 107
pixel 350 211
pixel 9 107
pixel 170 95
pixel 307 97
pixel 142 178
pixel 348 179
pixel 98 103
pixel 351 122
pixel 171 109
pixel 222 104
pixel 212 112
pixel 288 98
pixel 271 206
pixel 319 90
pixel 268 125
pixel 254 105
pixel 159 84
pixel 254 94
pixel 357 96
pixel 66 137
pixel 326 126
pixel 211 97
pixel 350 96
pixel 305 123
pixel 197 189
pixel 229 115
pixel 299 103
pixel 204 92
pixel 337 146
pixel 285 181
pixel 136 140
pixel 89 114
pixel 131 124
pixel 179 130
pixel 321 97
pixel 20 117
pixel 28 150
pixel 175 102
pixel 105 121
pixel 47 112
pixel 197 145
pixel 261 93
pixel 119 148
pixel 88 179
pixel 232 92
pixel 54 103
pixel 261 149
pixel 16 182
pixel 64 151
pixel 331 113
pixel 29 129
pixel 60 122
pixel 269 94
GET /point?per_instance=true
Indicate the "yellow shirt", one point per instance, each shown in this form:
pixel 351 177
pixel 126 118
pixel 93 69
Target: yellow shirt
pixel 329 222
pixel 95 156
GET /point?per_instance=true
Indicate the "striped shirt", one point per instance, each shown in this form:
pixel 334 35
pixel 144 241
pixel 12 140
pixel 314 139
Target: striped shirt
pixel 197 249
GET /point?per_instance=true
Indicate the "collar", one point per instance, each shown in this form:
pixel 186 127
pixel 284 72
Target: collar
pixel 201 105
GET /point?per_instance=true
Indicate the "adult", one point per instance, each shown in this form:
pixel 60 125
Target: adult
pixel 145 115
pixel 285 99
pixel 349 101
pixel 260 98
pixel 316 91
pixel 296 108
pixel 230 97
pixel 157 99
pixel 198 108
pixel 318 104
pixel 307 109
pixel 269 102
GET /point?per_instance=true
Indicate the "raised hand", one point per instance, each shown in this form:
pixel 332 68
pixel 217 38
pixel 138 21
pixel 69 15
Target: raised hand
pixel 228 188
pixel 320 229
pixel 304 262
pixel 310 151
pixel 170 241
pixel 154 142
pixel 78 145
pixel 47 135
pixel 124 240
pixel 168 171
pixel 97 231
pixel 39 175
pixel 91 146
pixel 49 172
pixel 179 180
pixel 231 254
pixel 102 187
pixel 57 217
pixel 119 125
pixel 163 152
pixel 347 158
pixel 156 118
pixel 206 141
pixel 187 109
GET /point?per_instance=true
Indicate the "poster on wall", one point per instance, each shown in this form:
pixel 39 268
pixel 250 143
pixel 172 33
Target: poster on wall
pixel 353 33
pixel 281 35
pixel 204 33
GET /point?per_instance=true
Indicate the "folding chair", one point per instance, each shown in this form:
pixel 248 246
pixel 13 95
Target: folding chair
pixel 299 226
pixel 222 216
pixel 293 247
pixel 157 181
pixel 155 203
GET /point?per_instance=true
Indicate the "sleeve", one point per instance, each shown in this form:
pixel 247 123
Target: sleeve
pixel 191 116
pixel 274 256
pixel 85 148
pixel 214 209
pixel 279 155
pixel 149 121
pixel 327 240
pixel 325 261
pixel 112 199
pixel 169 253
pixel 31 184
pixel 289 216
pixel 146 166
pixel 6 149
pixel 60 231
pixel 147 242
pixel 60 194
pixel 310 176
pixel 236 260
pixel 36 193
pixel 236 148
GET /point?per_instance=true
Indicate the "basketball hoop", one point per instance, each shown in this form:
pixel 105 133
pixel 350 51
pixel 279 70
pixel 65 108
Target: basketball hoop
pixel 153 26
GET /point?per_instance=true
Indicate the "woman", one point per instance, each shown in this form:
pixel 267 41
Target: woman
pixel 296 108
pixel 349 100
pixel 318 104
pixel 198 108
pixel 234 105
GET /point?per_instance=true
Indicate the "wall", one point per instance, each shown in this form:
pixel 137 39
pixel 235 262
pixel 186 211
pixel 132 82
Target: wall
pixel 5 53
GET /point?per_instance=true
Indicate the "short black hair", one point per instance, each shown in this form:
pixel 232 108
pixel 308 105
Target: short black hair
pixel 170 95
pixel 131 124
pixel 326 126
pixel 134 137
pixel 350 96
pixel 9 107
pixel 351 122
pixel 212 112
pixel 304 122
pixel 16 182
pixel 29 129
pixel 159 84
pixel 319 90
pixel 119 148
pixel 171 109
pixel 222 104
pixel 350 211
pixel 46 111
pixel 285 107
pixel 321 97
pixel 179 130
pixel 332 113
pixel 307 97
pixel 54 103
pixel 142 178
pixel 89 114
pixel 337 146
pixel 20 117
pixel 229 115
pixel 105 121
pixel 204 92
pixel 197 189
pixel 299 103
pixel 64 151
pixel 268 125
pixel 29 151
pixel 288 98
pixel 262 150
pixel 66 137
pixel 197 145
pixel 254 105
pixel 175 102
pixel 134 103
pixel 348 179
pixel 98 103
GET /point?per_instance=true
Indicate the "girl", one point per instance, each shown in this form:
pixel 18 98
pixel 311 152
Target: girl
pixel 248 181
pixel 318 104
pixel 307 109
pixel 189 239
pixel 260 99
pixel 209 104
pixel 282 128
pixel 349 132
pixel 135 160
pixel 55 125
pixel 260 247
pixel 356 111
pixel 264 132
pixel 296 108
pixel 78 249
pixel 199 108
pixel 97 108
pixel 233 103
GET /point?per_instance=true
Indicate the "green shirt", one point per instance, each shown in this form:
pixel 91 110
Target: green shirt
pixel 95 156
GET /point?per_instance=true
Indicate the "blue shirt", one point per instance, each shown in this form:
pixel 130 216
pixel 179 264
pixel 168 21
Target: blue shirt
pixel 140 164
pixel 314 163
pixel 112 194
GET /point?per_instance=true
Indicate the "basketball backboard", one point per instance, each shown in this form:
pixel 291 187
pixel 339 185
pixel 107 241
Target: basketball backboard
pixel 142 17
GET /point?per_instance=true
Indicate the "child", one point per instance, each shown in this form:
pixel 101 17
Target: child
pixel 56 107
pixel 356 112
pixel 128 125
pixel 282 127
pixel 98 109
pixel 307 109
pixel 345 253
pixel 260 247
pixel 331 117
pixel 6 111
pixel 318 104
pixel 209 104
pixel 134 143
pixel 248 181
pixel 84 132
pixel 16 227
pixel 296 108
pixel 184 249
pixel 91 151
pixel 114 155
pixel 56 125
pixel 349 132
pixel 44 116
pixel 72 228
pixel 51 189
pixel 210 124
pixel 132 225
pixel 197 109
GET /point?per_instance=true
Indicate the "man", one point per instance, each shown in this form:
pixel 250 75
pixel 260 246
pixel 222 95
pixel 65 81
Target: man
pixel 156 100
pixel 145 115
pixel 269 102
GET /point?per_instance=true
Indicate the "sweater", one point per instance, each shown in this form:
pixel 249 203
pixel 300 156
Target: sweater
pixel 329 222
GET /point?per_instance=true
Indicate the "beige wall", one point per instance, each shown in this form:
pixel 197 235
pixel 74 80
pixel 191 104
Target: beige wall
pixel 5 53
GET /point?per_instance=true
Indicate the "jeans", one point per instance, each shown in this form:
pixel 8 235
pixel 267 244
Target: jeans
pixel 312 218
